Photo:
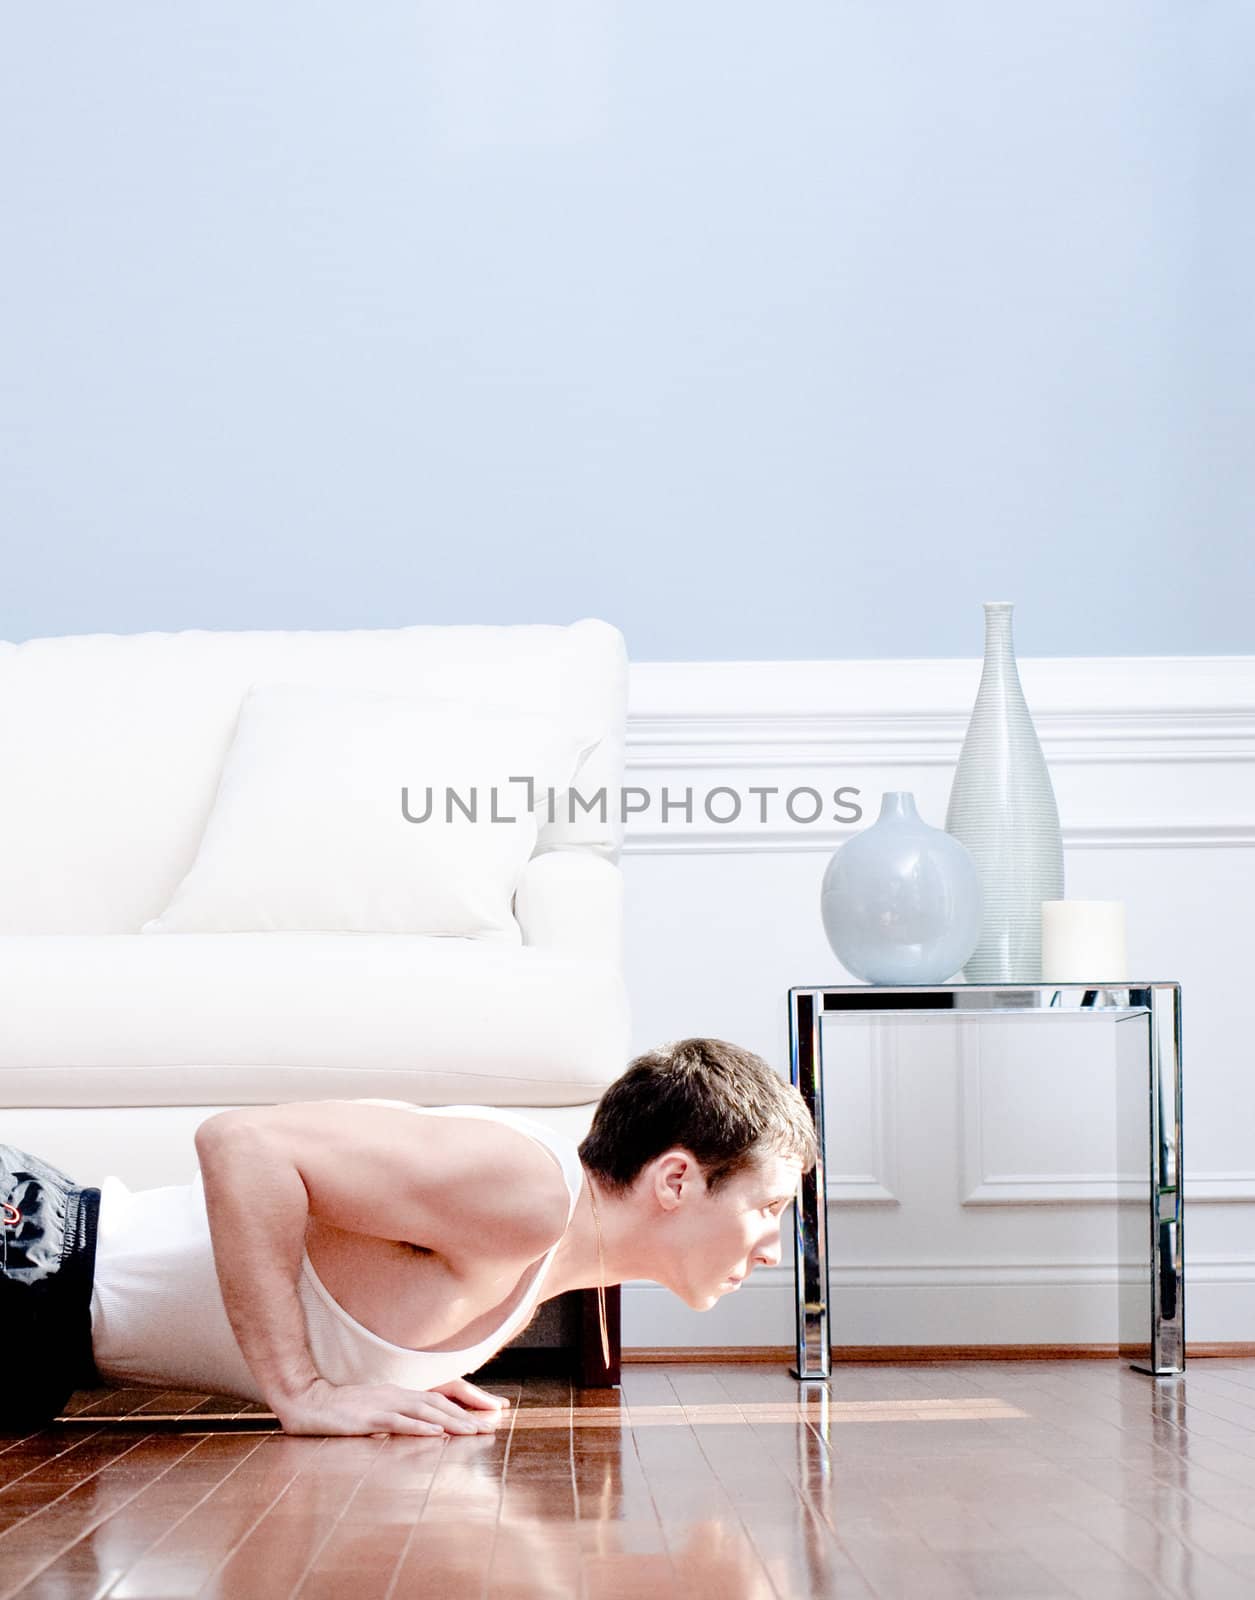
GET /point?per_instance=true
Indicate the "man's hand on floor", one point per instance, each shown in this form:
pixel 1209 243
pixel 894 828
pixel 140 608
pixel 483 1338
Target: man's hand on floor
pixel 361 1408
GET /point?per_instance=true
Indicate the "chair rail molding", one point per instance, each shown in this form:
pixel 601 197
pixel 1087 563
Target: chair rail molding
pixel 813 723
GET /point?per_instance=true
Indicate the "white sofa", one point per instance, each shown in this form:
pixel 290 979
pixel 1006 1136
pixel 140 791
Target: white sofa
pixel 114 1045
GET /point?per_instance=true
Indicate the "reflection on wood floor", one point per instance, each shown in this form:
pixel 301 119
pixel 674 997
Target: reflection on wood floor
pixel 971 1479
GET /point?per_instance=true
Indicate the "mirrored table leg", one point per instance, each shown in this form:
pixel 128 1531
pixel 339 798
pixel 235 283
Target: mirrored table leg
pixel 1167 1222
pixel 810 1238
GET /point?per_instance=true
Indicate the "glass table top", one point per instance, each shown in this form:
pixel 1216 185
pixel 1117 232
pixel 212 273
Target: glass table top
pixel 1124 996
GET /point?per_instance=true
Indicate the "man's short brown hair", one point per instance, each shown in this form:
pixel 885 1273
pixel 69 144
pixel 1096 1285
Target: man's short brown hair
pixel 723 1103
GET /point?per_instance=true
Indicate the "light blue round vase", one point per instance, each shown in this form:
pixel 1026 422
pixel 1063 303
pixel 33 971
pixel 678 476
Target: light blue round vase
pixel 901 901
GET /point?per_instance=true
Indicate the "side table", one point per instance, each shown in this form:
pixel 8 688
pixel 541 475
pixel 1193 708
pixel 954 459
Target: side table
pixel 1160 1342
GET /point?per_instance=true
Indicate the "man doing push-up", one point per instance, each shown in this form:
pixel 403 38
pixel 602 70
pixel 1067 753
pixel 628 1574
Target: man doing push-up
pixel 347 1262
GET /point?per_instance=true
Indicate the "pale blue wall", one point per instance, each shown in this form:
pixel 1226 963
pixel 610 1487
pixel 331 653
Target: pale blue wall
pixel 761 330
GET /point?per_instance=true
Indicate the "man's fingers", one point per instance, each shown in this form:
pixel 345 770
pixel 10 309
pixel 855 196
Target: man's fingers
pixel 444 1407
pixel 394 1422
pixel 470 1395
pixel 442 1404
pixel 481 1399
pixel 427 1419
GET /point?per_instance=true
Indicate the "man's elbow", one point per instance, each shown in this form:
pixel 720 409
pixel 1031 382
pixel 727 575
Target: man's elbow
pixel 223 1129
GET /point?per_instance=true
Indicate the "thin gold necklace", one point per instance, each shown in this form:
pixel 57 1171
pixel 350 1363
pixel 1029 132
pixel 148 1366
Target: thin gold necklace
pixel 601 1287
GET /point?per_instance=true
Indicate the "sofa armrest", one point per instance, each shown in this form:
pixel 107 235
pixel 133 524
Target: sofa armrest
pixel 572 900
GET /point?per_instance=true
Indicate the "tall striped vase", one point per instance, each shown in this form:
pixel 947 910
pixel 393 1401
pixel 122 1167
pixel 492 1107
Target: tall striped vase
pixel 1002 807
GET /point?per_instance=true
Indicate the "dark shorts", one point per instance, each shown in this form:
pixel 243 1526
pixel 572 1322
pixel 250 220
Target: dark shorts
pixel 47 1260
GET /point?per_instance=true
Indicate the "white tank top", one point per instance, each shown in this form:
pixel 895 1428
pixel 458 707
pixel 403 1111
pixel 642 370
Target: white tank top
pixel 157 1312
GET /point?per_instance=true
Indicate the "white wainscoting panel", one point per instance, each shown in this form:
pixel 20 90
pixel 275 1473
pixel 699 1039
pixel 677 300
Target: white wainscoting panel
pixel 975 1170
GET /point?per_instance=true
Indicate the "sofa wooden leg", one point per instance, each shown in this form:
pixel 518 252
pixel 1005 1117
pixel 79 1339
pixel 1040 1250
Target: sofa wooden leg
pixel 591 1370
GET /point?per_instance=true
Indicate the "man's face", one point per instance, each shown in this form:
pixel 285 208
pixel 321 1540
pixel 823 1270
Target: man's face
pixel 709 1243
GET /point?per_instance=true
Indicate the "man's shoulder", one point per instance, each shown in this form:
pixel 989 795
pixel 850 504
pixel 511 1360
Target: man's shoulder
pixel 503 1182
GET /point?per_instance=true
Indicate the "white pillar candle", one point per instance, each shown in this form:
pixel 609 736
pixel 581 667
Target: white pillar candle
pixel 1083 941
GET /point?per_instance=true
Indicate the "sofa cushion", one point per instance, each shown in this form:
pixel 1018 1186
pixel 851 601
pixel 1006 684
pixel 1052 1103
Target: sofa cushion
pixel 114 743
pixel 350 811
pixel 257 1018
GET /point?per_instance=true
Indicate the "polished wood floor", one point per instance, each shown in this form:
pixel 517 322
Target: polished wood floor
pixel 1011 1481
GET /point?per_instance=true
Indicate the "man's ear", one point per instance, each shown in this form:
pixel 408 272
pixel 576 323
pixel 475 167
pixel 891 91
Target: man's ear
pixel 677 1175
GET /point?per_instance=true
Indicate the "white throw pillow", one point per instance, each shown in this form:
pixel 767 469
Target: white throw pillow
pixel 308 831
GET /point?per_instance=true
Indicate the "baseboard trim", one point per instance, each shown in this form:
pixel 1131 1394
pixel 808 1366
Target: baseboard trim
pixel 918 1354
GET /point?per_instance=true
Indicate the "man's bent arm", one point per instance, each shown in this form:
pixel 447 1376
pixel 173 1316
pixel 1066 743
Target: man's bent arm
pixel 258 1208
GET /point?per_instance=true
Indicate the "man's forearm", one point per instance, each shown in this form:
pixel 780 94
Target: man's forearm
pixel 258 1208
